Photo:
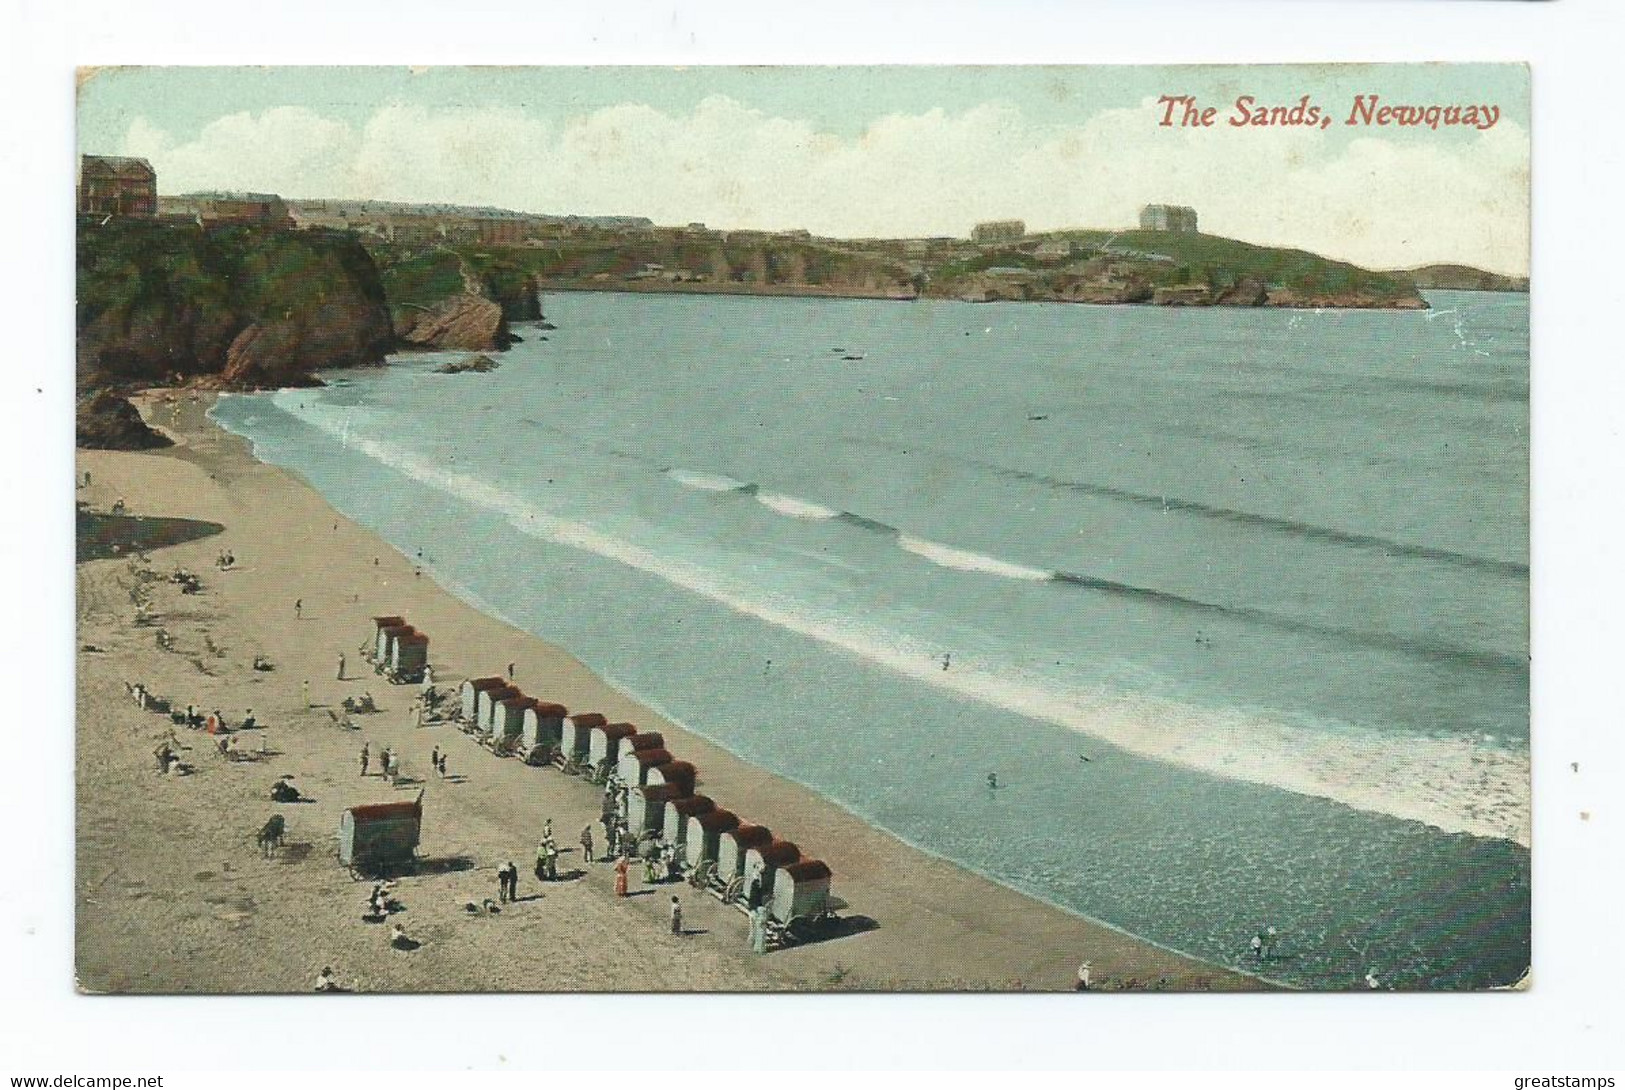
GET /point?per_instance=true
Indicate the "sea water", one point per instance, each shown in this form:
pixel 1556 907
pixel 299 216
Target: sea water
pixel 1233 602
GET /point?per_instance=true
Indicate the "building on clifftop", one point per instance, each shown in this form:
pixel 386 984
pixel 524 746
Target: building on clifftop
pixel 266 209
pixel 1168 217
pixel 112 186
pixel 998 231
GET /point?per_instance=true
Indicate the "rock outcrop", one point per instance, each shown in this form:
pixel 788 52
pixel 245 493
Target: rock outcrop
pixel 105 420
pixel 240 306
pixel 477 364
pixel 465 322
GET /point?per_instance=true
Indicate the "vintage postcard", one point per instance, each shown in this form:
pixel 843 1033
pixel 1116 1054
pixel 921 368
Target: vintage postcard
pixel 770 529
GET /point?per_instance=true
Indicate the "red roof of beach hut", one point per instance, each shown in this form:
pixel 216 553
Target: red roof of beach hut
pixel 679 772
pixel 481 684
pixel 379 810
pixel 807 870
pixel 647 740
pixel 612 731
pixel 650 758
pixel 693 804
pixel 548 710
pixel 506 692
pixel 779 852
pixel 387 622
pixel 588 719
pixel 717 820
pixel 663 793
pixel 747 835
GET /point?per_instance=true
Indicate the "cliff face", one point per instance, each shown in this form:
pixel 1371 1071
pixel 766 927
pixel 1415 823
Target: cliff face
pixel 252 307
pixel 470 323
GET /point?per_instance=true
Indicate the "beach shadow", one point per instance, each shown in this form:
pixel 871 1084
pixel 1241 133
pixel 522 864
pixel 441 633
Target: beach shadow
pixel 295 853
pixel 640 893
pixel 693 931
pixel 407 781
pixel 405 944
pixel 528 897
pixel 842 927
pixel 447 864
pixel 104 536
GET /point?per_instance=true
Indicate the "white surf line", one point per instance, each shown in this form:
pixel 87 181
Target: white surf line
pixel 795 507
pixel 706 482
pixel 946 556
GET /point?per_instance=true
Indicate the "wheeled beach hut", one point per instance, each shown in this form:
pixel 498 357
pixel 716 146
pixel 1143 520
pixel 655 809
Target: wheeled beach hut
pixel 733 844
pixel 485 704
pixel 704 836
pixel 762 860
pixel 634 765
pixel 604 742
pixel 377 641
pixel 408 657
pixel 574 737
pixel 508 716
pixel 380 837
pixel 678 773
pixel 678 810
pixel 471 690
pixel 800 889
pixel 387 638
pixel 646 808
pixel 543 724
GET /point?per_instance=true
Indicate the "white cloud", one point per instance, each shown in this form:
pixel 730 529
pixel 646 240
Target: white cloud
pixel 1374 201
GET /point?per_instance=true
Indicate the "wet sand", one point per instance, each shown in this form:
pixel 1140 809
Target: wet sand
pixel 173 895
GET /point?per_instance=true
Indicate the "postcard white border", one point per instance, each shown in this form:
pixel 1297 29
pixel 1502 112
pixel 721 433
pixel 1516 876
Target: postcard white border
pixel 1570 1021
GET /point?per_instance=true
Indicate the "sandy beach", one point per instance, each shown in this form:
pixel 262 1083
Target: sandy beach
pixel 173 895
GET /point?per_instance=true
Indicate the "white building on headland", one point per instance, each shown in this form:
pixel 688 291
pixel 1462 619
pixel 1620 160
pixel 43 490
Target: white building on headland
pixel 1168 217
pixel 998 231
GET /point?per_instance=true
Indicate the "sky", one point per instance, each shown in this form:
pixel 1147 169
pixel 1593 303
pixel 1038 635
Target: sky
pixel 857 152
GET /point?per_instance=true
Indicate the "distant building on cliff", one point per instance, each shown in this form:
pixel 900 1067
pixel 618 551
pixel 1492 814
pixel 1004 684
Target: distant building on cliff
pixel 263 209
pixel 998 231
pixel 1168 217
pixel 110 186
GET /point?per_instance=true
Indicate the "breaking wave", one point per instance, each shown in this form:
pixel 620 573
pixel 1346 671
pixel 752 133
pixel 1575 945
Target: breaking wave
pixel 795 507
pixel 945 556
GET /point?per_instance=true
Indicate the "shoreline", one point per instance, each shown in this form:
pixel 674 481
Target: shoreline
pixel 814 291
pixel 938 926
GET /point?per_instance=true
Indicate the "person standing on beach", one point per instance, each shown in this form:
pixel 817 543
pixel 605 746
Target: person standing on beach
pixel 304 690
pixel 758 929
pixel 1084 982
pixel 341 665
pixel 586 843
pixel 442 768
pixel 621 867
pixel 676 915
pixel 1258 946
pixel 366 756
pixel 510 671
pixel 434 758
pixel 298 609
